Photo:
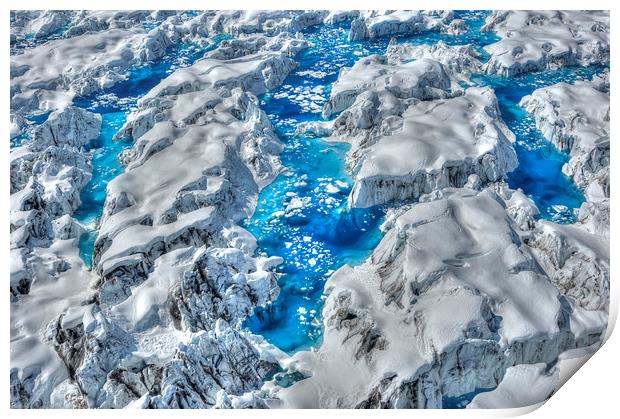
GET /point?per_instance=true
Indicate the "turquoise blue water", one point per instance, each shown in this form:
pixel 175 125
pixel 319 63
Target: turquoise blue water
pixel 322 234
pixel 106 167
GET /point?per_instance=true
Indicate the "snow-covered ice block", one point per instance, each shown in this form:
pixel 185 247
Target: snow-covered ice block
pixel 535 40
pixel 391 324
pixel 255 73
pixel 376 24
pixel 422 79
pixel 426 154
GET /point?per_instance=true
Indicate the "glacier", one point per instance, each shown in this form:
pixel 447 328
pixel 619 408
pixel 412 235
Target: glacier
pixel 228 209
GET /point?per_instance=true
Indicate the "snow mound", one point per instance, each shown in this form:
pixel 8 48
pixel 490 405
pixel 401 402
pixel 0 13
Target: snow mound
pixel 422 79
pixel 461 60
pixel 426 154
pixel 255 73
pixel 539 40
pixel 378 24
pixel 390 323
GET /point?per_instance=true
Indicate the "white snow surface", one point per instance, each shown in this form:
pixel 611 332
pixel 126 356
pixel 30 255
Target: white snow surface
pixel 247 22
pixel 256 73
pixel 522 386
pixel 378 24
pixel 534 40
pixel 458 59
pixel 428 154
pixel 422 79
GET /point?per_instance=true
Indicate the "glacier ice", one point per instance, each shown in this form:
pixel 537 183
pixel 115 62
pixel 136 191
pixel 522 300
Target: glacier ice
pixel 471 294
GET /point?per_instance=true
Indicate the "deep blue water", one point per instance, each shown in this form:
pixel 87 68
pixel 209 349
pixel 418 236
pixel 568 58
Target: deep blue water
pixel 459 402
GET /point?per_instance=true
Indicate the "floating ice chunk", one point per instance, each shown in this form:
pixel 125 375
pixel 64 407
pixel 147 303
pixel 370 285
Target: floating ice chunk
pixel 331 189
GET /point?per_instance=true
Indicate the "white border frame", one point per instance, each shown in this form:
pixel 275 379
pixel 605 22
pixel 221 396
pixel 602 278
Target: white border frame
pixel 591 393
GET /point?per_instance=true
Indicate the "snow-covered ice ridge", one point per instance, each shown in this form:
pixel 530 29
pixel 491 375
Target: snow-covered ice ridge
pixel 391 323
pixel 538 40
pixel 395 110
pixel 470 298
pixel 377 24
